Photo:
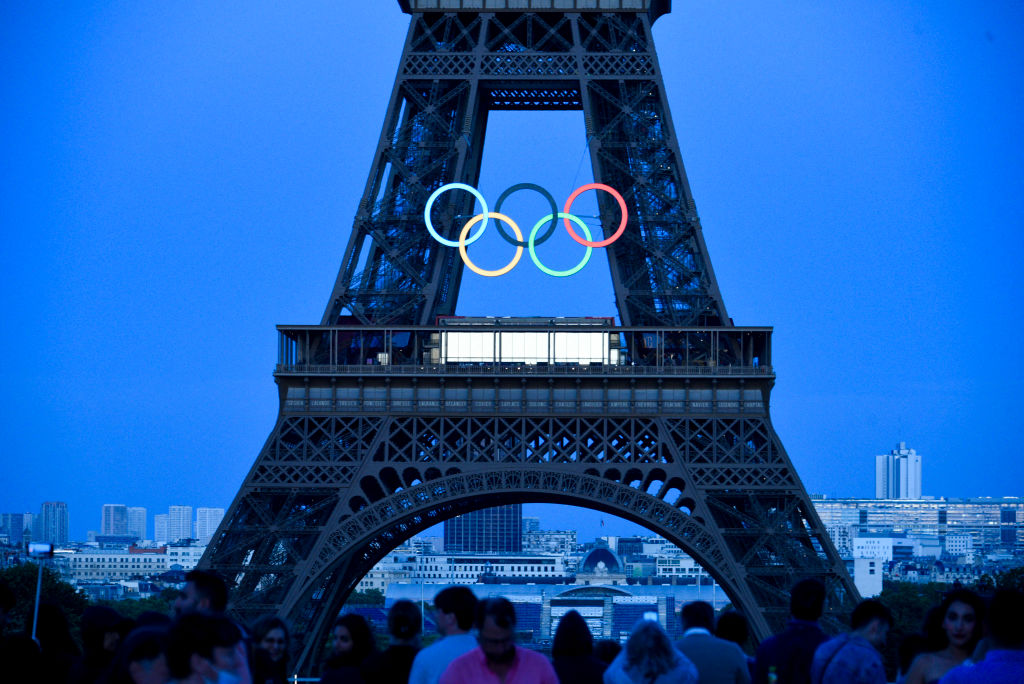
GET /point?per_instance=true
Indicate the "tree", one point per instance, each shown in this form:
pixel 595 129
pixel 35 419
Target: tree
pixel 133 608
pixel 370 597
pixel 1011 579
pixel 22 581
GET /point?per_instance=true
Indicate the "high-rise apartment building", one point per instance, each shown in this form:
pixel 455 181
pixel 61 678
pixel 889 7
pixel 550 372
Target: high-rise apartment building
pixel 137 521
pixel 161 533
pixel 53 522
pixel 115 520
pixel 491 530
pixel 179 523
pixel 207 520
pixel 898 474
pixel 13 525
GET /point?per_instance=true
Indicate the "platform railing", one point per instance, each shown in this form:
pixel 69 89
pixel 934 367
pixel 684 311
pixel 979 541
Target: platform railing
pixel 507 347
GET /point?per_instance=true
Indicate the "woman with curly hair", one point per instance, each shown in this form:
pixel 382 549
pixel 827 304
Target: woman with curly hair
pixel 650 658
pixel 961 613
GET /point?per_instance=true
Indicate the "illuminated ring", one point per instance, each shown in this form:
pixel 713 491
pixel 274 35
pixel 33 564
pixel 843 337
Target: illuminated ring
pixel 622 206
pixel 455 186
pixel 533 254
pixel 547 196
pixel 465 257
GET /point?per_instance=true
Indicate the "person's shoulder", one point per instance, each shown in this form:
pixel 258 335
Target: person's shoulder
pixel 686 668
pixel 469 657
pixel 433 649
pixel 920 666
pixel 963 674
pixel 461 668
pixel 697 641
pixel 834 641
pixel 725 643
pixel 730 647
pixel 693 641
pixel 532 657
pixel 425 655
pixel 770 644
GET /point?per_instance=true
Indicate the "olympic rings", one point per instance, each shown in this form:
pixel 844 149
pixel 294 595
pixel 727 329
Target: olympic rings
pixel 533 243
pixel 465 257
pixel 622 206
pixel 547 195
pixel 455 186
pixel 463 242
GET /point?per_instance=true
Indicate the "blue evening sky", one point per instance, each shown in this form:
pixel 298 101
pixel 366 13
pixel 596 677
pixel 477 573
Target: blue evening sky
pixel 177 178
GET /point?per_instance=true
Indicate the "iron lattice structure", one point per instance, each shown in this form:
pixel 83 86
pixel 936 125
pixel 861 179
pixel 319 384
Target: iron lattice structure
pixel 669 428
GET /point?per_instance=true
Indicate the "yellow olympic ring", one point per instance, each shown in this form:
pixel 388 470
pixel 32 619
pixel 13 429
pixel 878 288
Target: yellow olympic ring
pixel 462 244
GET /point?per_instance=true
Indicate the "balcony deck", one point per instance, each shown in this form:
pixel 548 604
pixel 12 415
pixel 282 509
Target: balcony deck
pixel 501 349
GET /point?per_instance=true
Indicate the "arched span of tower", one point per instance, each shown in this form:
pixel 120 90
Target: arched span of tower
pixel 379 528
pixel 331 495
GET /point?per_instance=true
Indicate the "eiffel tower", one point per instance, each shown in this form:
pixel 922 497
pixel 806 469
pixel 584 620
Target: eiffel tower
pixel 388 426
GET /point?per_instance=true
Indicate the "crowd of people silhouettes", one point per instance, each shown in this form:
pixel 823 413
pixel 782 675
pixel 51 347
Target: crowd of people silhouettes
pixel 964 640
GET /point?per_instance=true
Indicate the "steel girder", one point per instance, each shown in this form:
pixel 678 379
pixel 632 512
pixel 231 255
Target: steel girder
pixel 456 67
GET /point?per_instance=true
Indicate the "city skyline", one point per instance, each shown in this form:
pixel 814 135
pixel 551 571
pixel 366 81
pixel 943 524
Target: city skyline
pixel 589 524
pixel 180 180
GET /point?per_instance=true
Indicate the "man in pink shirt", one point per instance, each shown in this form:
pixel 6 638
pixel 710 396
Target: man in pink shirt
pixel 498 660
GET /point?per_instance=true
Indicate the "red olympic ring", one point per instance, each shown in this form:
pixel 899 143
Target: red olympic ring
pixel 622 208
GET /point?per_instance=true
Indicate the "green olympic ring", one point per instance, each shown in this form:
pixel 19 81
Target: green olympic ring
pixel 532 243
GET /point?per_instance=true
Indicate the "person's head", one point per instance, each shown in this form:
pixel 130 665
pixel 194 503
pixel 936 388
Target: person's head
pixel 142 658
pixel 352 639
pixel 649 652
pixel 697 614
pixel 496 629
pixel 204 592
pixel 606 650
pixel 807 600
pixel 733 626
pixel 54 631
pixel 102 628
pixel 1006 619
pixel 456 607
pixel 404 621
pixel 572 637
pixel 270 634
pixel 962 612
pixel 201 645
pixel 871 620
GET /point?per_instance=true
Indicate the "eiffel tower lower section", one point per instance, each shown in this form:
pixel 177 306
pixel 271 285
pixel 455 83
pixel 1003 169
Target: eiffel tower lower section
pixel 394 416
pixel 364 456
